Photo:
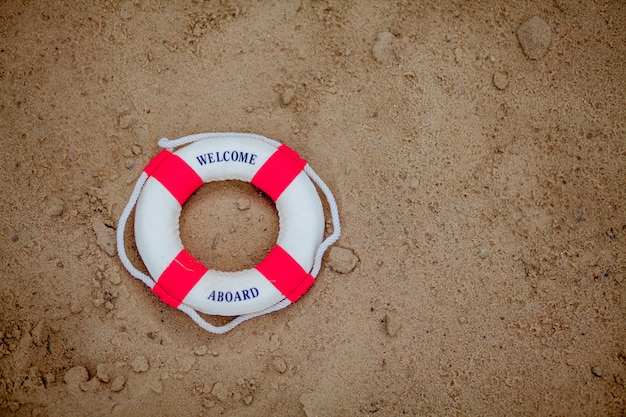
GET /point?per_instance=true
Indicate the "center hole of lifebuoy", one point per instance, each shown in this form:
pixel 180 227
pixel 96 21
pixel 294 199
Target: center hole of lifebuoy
pixel 229 225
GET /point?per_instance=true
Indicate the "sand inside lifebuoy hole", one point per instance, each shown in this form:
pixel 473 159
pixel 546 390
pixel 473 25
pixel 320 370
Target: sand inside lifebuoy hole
pixel 229 225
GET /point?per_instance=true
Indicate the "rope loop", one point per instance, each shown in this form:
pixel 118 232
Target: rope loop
pixel 193 314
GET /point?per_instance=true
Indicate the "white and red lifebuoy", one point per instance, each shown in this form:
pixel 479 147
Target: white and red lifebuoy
pixel 182 281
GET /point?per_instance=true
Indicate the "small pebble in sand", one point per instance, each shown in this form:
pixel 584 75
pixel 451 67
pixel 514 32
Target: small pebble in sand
pixel 40 333
pixel 287 95
pixel 534 36
pixel 113 277
pixel 156 386
pixel 90 386
pixel 220 391
pixel 200 350
pixel 76 376
pixel 118 383
pixel 55 207
pixel 342 260
pixel 243 204
pixel 597 372
pixel 139 364
pixel 382 47
pixel 103 372
pixel 279 364
pixel 500 80
pixel 105 236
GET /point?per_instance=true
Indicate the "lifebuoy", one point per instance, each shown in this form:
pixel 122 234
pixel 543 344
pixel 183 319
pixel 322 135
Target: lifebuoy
pixel 182 281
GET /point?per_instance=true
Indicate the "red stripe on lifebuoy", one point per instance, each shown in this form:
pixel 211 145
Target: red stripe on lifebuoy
pixel 285 273
pixel 181 275
pixel 156 161
pixel 165 297
pixel 174 174
pixel 278 171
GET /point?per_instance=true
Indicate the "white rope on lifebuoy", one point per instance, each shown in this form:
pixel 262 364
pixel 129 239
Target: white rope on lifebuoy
pixel 182 281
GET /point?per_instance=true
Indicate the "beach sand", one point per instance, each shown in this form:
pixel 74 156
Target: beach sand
pixel 477 153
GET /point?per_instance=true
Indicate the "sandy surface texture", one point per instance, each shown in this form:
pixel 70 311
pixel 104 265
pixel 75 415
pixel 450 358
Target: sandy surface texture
pixel 477 153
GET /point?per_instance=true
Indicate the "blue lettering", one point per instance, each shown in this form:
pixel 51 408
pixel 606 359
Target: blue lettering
pixel 229 297
pixel 226 156
pixel 201 159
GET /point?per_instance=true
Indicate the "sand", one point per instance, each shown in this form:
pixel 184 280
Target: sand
pixel 477 153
